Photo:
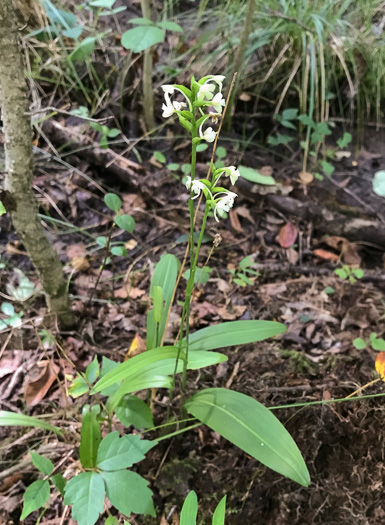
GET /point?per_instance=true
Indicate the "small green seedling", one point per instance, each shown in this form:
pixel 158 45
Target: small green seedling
pixel 245 274
pixel 348 273
pixel 12 319
pixel 124 221
pixel 106 133
pixel 188 515
pixel 377 343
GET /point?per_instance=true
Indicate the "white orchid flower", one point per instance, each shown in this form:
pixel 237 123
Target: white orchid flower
pixel 218 79
pixel 224 204
pixel 217 102
pixel 196 186
pixel 206 92
pixel 209 134
pixel 231 171
pixel 172 106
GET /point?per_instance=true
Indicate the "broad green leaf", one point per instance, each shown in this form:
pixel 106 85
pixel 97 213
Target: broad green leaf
pixel 107 4
pixel 111 520
pixel 376 342
pixel 221 152
pixel 141 21
pixel 165 275
pixel 43 464
pixel 379 183
pixel 25 288
pixel 280 139
pixel 220 513
pixel 234 333
pixel 13 419
pixel 2 209
pixel 83 50
pixel 92 370
pixel 142 37
pixel 8 309
pixel 79 387
pixel 160 157
pixel 59 16
pixel 128 492
pixel 125 222
pixel 73 32
pixel 289 114
pixel 140 382
pixel 254 176
pixel 113 202
pixel 119 251
pixel 159 361
pixel 322 128
pixel 90 436
pixel 202 275
pixel 85 492
pixel 157 299
pixel 345 140
pixel 251 427
pixel 122 452
pixel 59 482
pixel 306 120
pixel 168 25
pixel 35 496
pixel 327 168
pixel 114 132
pixel 134 411
pixel 188 515
pixel 359 343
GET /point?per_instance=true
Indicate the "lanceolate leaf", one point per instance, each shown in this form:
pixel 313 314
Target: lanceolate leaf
pixel 128 492
pixel 160 361
pixel 86 493
pixel 14 419
pixel 234 333
pixel 165 275
pixel 116 452
pixel 188 515
pixel 251 427
pixel 35 496
pixel 220 513
pixel 91 437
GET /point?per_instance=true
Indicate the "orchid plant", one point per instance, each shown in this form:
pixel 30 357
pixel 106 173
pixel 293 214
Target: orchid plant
pixel 200 103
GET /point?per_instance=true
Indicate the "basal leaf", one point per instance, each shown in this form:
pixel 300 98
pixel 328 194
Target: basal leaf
pixel 234 333
pixel 220 513
pixel 251 427
pixel 13 419
pixel 128 492
pixel 90 437
pixel 85 492
pixel 35 496
pixel 122 452
pixel 188 515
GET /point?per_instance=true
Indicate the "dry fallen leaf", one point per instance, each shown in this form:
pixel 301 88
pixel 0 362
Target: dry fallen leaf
pixel 235 222
pixel 380 364
pixel 128 291
pixel 231 312
pixel 137 346
pixel 324 254
pixel 37 389
pixel 287 235
pixel 80 263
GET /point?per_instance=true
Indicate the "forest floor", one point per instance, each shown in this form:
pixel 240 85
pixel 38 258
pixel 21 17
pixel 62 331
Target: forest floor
pixel 314 360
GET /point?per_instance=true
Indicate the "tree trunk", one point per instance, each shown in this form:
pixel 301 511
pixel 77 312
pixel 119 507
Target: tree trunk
pixel 20 200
